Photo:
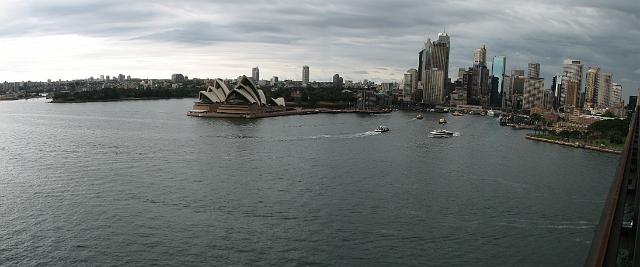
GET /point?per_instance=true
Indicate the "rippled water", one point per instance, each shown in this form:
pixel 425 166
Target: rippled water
pixel 140 183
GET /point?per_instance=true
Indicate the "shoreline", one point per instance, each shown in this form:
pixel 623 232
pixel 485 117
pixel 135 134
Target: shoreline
pixel 282 113
pixel 115 100
pixel 575 145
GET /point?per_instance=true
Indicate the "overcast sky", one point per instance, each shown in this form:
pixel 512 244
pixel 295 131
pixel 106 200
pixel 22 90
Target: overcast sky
pixel 360 39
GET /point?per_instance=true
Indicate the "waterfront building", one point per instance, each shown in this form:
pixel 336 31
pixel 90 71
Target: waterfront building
pixel 592 87
pixel 480 56
pixel 305 74
pixel 533 94
pixel 255 74
pixel 433 69
pixel 534 70
pixel 433 87
pixel 108 78
pixel 606 84
pixel 498 69
pixel 480 92
pixel 458 97
pixel 244 99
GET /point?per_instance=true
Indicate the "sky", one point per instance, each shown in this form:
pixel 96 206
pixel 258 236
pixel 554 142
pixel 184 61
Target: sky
pixel 359 39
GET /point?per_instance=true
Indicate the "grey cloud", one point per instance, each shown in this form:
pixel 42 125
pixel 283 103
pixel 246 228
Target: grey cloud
pixel 363 32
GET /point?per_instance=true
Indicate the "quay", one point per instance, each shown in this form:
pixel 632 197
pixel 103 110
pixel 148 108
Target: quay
pixel 297 111
pixel 574 144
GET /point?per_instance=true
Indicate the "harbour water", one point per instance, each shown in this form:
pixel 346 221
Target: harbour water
pixel 138 182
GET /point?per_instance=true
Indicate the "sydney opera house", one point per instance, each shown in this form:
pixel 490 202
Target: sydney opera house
pixel 244 101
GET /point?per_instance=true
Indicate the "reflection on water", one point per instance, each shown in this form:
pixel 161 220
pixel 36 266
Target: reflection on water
pixel 140 183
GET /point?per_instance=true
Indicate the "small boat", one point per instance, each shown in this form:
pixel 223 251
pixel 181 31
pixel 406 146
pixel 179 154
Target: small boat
pixel 457 113
pixel 442 121
pixel 491 113
pixel 441 133
pixel 381 129
pixel 419 116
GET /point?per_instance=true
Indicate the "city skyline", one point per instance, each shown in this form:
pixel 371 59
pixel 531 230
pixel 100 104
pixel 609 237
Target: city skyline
pixel 72 39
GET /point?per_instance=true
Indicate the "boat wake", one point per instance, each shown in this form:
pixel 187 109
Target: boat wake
pixel 334 136
pixel 455 134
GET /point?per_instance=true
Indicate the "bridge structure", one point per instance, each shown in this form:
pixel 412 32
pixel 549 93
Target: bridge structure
pixel 617 237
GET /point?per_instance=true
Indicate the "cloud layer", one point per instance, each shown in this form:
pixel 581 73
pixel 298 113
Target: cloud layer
pixel 376 40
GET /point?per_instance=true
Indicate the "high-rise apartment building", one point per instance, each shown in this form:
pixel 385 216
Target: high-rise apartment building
pixel 572 71
pixel 480 56
pixel 616 94
pixel 410 82
pixel 305 74
pixel 534 70
pixel 606 84
pixel 255 74
pixel 533 95
pixel 592 87
pixel 571 93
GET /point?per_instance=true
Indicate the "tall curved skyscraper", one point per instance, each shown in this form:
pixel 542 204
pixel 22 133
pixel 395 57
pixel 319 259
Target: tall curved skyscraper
pixel 434 69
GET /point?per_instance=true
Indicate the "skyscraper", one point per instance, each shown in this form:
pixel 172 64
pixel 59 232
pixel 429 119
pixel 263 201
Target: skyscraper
pixel 572 71
pixel 592 87
pixel 409 83
pixel 480 56
pixel 533 93
pixel 443 47
pixel 606 84
pixel 498 69
pixel 305 74
pixel 434 65
pixel 571 94
pixel 255 74
pixel 534 70
pixel 616 94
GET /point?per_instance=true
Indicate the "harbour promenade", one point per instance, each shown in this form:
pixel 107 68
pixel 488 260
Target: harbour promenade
pixel 297 111
pixel 574 144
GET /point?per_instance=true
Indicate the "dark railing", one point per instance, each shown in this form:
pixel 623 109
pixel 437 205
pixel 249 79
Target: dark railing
pixel 605 246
